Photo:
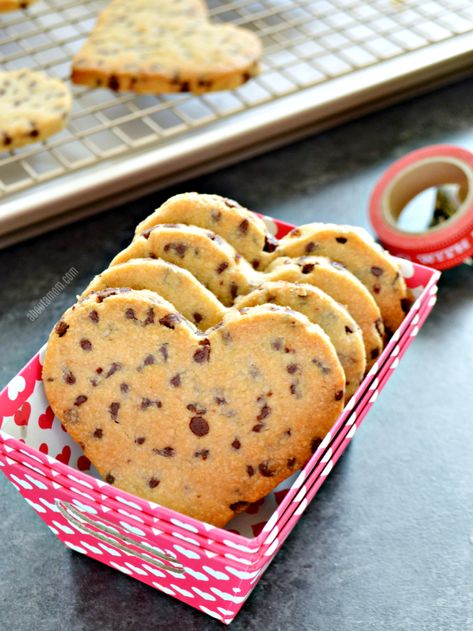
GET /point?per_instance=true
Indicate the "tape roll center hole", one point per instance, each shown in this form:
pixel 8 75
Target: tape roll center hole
pixel 426 196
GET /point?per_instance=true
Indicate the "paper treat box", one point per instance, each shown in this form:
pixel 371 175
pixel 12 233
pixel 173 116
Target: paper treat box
pixel 212 569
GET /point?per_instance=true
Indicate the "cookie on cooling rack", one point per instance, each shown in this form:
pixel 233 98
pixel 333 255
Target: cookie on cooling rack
pixel 154 48
pixel 33 107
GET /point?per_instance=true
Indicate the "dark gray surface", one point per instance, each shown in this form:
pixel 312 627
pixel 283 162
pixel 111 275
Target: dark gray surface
pixel 387 543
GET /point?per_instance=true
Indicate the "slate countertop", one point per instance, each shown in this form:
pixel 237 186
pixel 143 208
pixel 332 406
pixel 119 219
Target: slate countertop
pixel 387 544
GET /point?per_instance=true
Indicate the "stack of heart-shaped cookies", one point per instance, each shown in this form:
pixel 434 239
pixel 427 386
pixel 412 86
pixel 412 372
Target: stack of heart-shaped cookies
pixel 207 363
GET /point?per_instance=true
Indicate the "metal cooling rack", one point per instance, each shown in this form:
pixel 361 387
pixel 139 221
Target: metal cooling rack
pixel 324 61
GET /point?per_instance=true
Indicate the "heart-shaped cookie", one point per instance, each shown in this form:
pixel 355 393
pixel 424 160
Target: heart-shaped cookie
pixel 33 106
pixel 204 423
pixel 160 47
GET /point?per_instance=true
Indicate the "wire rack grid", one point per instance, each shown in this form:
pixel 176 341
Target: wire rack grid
pixel 306 43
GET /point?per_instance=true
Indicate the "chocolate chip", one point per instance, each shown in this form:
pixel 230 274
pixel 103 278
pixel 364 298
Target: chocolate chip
pixel 110 478
pixel 220 400
pixel 348 330
pixel 239 506
pixel 113 409
pixel 145 404
pixel 175 381
pixel 243 227
pixel 163 349
pixel 377 271
pixel 167 452
pixel 310 247
pixel 376 288
pixel 98 433
pixel 124 387
pixel 270 243
pixel 203 453
pixel 339 395
pixel 140 440
pixel 199 426
pixel 293 389
pixel 34 133
pixel 374 353
pixel 291 462
pixel 149 360
pixel 277 344
pixel 69 377
pixel 233 290
pixel 341 239
pixel 307 268
pixel 80 400
pixel 314 445
pixel 222 267
pixel 325 370
pixel 113 83
pixel 197 317
pixel 194 407
pixel 257 428
pixel 149 317
pixel 265 470
pixel 99 370
pixel 130 314
pixel 202 354
pixel 170 320
pixel 250 470
pixel 255 263
pixel 179 248
pixel 7 140
pixel 61 328
pixel 236 444
pixel 405 304
pixel 94 316
pixel 264 412
pixel 292 368
pixel 153 483
pixel 113 369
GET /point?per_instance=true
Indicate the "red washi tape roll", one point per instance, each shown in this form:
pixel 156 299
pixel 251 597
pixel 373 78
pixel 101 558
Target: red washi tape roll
pixel 442 246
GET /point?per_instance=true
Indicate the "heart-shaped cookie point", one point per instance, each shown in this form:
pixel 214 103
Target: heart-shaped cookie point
pixel 159 48
pixel 202 422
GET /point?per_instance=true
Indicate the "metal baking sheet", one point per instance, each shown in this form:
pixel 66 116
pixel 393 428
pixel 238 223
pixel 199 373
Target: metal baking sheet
pixel 325 61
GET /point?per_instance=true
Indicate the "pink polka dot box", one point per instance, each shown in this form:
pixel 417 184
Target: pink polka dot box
pixel 211 569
